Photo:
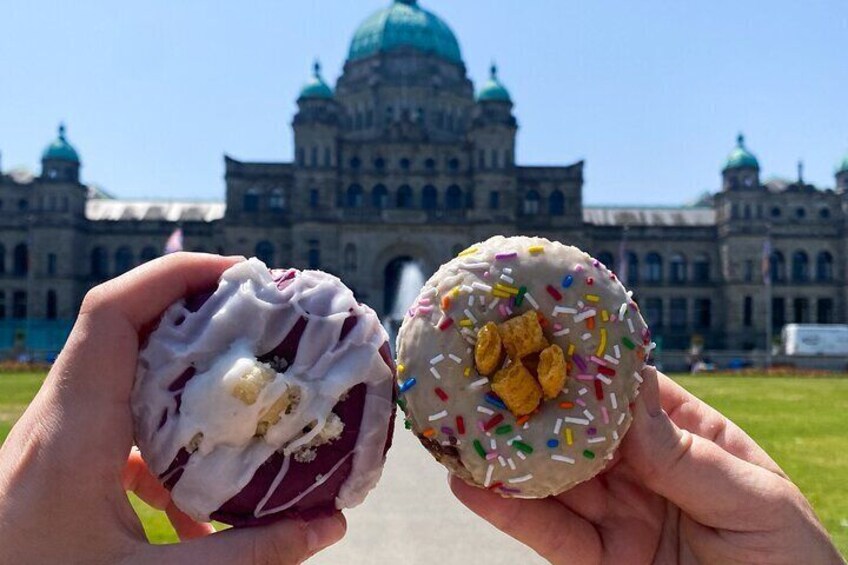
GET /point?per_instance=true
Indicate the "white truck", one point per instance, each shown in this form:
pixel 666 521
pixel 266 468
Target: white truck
pixel 826 340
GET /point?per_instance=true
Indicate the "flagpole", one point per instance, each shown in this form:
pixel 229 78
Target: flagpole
pixel 768 282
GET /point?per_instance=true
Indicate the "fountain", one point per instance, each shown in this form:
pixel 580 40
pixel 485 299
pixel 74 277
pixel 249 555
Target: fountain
pixel 402 290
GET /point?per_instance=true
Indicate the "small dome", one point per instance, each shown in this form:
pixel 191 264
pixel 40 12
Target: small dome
pixel 740 157
pixel 493 90
pixel 843 166
pixel 404 24
pixel 316 87
pixel 60 149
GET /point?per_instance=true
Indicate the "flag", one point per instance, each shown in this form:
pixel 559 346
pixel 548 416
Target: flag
pixel 175 242
pixel 766 262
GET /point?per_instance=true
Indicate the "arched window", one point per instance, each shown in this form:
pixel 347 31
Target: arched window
pixel 19 304
pixel 277 200
pixel 607 259
pixel 430 164
pixel 354 196
pixel 404 197
pixel 556 203
pixel 778 267
pixel 531 202
pixel 677 268
pixel 313 258
pixel 824 267
pixel 251 200
pixel 800 267
pixel 350 258
pixel 453 199
pixel 149 253
pixel 405 163
pixel 631 274
pixel 264 251
pixel 123 260
pixel 52 305
pixel 653 268
pixel 99 263
pixel 429 198
pixel 2 259
pixel 380 197
pixel 20 260
pixel 701 268
pixel 748 312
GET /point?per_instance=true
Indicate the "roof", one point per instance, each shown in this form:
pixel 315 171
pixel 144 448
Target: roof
pixel 649 216
pixel 404 24
pixel 740 157
pixel 114 210
pixel 315 87
pixel 60 149
pixel 493 90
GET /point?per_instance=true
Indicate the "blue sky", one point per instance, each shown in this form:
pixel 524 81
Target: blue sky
pixel 651 94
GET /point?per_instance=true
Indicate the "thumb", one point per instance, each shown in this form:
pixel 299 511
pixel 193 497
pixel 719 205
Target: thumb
pixel 286 542
pixel 714 487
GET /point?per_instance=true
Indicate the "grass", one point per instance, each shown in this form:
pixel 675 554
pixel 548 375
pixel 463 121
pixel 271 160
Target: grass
pixel 799 421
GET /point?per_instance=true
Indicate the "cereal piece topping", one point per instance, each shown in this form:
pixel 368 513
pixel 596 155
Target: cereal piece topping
pixel 250 383
pixel 522 335
pixel 517 388
pixel 488 352
pixel 551 371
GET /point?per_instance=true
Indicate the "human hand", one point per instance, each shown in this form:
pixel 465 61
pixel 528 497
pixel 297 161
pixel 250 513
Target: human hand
pixel 67 463
pixel 687 486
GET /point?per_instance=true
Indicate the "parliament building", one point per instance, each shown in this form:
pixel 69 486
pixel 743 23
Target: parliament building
pixel 405 160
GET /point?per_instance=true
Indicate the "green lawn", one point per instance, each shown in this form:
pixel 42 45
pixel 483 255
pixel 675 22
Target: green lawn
pixel 801 422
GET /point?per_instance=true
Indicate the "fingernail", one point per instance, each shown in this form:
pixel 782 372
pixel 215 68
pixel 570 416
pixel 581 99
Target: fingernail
pixel 324 532
pixel 649 392
pixel 237 257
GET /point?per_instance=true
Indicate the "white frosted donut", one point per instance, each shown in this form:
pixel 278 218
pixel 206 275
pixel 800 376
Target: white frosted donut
pixel 237 397
pixel 582 308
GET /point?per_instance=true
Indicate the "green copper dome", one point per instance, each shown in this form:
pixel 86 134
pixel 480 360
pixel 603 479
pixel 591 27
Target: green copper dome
pixel 843 166
pixel 404 24
pixel 60 149
pixel 316 87
pixel 740 157
pixel 493 90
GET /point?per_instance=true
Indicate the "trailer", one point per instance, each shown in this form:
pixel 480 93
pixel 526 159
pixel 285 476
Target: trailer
pixel 827 340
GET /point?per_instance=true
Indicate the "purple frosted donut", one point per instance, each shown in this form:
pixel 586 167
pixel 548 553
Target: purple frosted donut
pixel 271 396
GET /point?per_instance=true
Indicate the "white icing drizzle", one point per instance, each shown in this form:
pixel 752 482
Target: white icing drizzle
pixel 245 317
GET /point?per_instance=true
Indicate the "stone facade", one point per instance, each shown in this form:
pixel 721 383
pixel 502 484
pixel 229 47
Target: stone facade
pixel 402 162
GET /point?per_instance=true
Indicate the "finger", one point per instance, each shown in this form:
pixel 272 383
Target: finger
pixel 138 479
pixel 710 484
pixel 692 414
pixel 286 542
pixel 546 526
pixel 187 528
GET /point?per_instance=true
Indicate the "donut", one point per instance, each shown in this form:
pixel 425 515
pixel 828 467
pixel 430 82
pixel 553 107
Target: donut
pixel 270 396
pixel 517 364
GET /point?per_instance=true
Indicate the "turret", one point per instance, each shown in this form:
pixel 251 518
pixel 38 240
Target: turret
pixel 60 162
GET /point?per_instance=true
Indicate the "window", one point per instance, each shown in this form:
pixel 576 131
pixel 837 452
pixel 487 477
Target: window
pixel 800 267
pixel 701 268
pixel 357 122
pixel 454 198
pixel 453 164
pixel 314 198
pixel 778 313
pixel 824 311
pixel 800 213
pixel 481 159
pixel 328 157
pixel 251 200
pixel 775 212
pixel 379 163
pixel 99 263
pixel 778 267
pixel 22 205
pixel 314 157
pixel 801 310
pixel 404 197
pixel 495 160
pixel 677 268
pixel 429 198
pixel 430 164
pixel 607 259
pixel 354 196
pixel 678 313
pixel 507 157
pixel 277 201
pixel 824 267
pixel 631 270
pixel 390 113
pixel 556 203
pixel 301 156
pixel 746 212
pixel 749 270
pixel 148 254
pixel 350 258
pixel 20 260
pixel 380 197
pixel 355 163
pixel 52 306
pixel 369 118
pixel 653 268
pixel 748 312
pixel 2 305
pixel 314 255
pixel 703 313
pixel 405 164
pixel 51 263
pixel 531 202
pixel 654 312
pixel 19 304
pixel 494 200
pixel 824 213
pixel 2 260
pixel 123 260
pixel 264 251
